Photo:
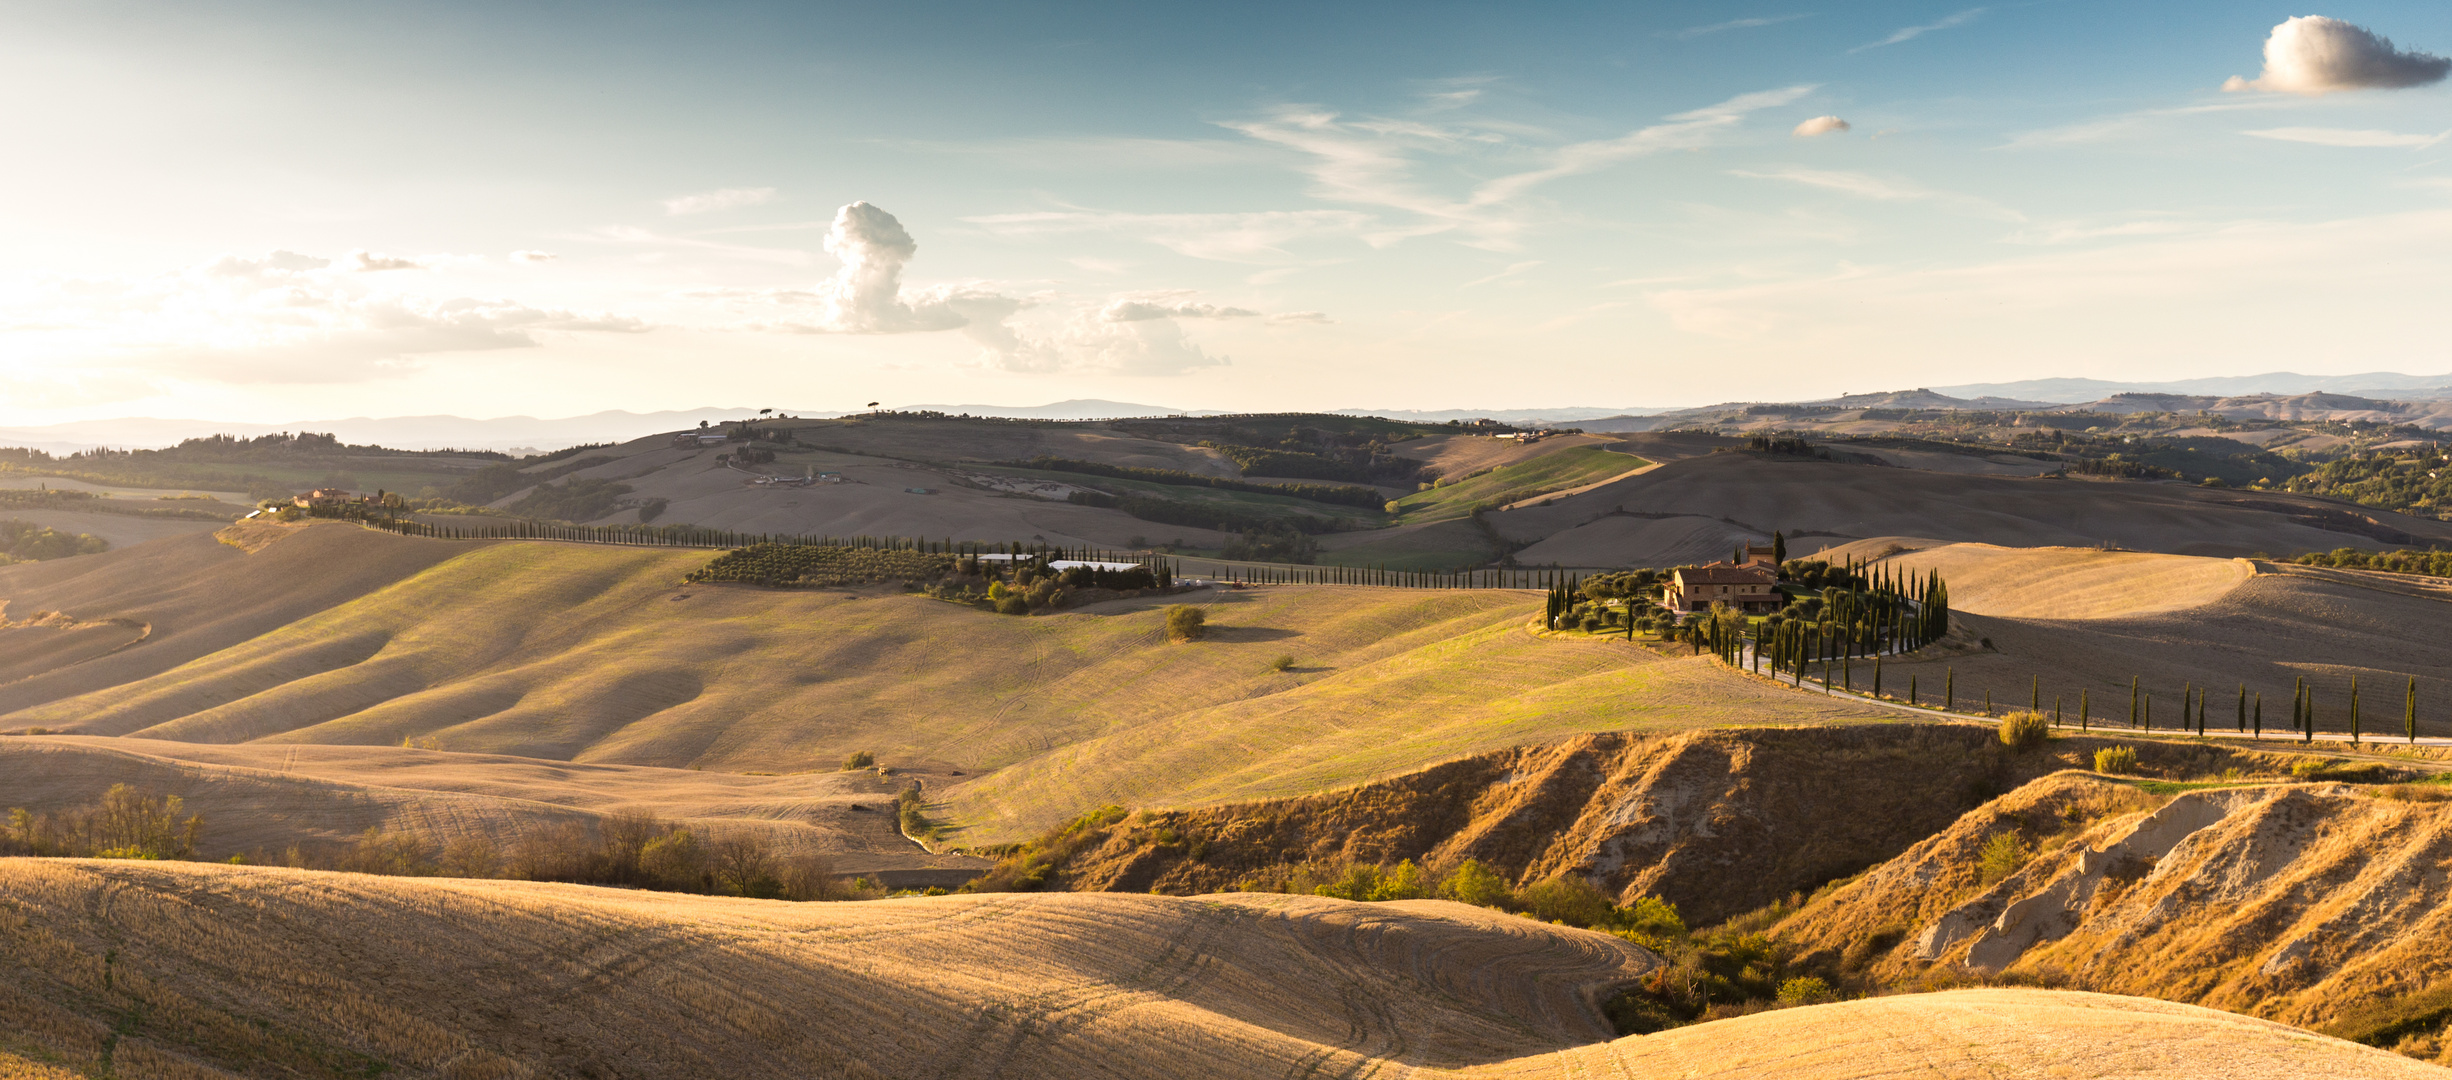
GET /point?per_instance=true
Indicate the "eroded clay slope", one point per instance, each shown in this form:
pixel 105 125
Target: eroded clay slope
pixel 1718 822
pixel 2313 904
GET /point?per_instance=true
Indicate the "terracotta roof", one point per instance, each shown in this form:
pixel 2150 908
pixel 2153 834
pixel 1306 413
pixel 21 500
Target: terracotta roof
pixel 1725 574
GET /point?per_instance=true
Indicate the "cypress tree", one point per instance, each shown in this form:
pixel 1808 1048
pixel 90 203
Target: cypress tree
pixel 1949 690
pixel 2409 713
pixel 2084 722
pixel 2056 722
pixel 2354 710
pixel 1911 690
pixel 1877 688
pixel 2258 731
pixel 2243 706
pixel 2034 701
pixel 1779 548
pixel 2133 695
pixel 2149 712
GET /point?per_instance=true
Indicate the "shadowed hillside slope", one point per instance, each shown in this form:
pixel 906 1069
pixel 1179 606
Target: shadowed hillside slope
pixel 2090 621
pixel 257 971
pixel 1697 508
pixel 183 598
pixel 595 654
pixel 1716 822
pixel 260 800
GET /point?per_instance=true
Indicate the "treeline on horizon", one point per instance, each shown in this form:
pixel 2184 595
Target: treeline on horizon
pixel 628 849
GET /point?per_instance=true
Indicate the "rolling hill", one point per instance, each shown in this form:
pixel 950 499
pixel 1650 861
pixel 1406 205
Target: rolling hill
pixel 200 971
pixel 2089 621
pixel 334 634
pixel 1694 510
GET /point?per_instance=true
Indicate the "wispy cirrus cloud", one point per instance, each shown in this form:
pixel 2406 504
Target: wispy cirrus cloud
pixel 1879 189
pixel 1910 33
pixel 2350 137
pixel 1692 32
pixel 1380 163
pixel 293 318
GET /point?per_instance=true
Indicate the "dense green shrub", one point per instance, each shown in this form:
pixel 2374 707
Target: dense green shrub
pixel 2021 730
pixel 25 541
pixel 859 759
pixel 1185 622
pixel 2116 760
pixel 2004 854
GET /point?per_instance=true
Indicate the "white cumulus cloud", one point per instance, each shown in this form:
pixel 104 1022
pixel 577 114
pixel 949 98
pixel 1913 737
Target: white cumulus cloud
pixel 1820 125
pixel 2311 54
pixel 706 202
pixel 533 256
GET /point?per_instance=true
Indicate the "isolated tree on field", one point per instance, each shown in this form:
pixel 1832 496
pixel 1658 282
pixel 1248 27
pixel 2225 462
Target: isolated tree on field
pixel 1185 622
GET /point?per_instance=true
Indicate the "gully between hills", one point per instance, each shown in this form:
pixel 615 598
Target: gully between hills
pixel 1894 856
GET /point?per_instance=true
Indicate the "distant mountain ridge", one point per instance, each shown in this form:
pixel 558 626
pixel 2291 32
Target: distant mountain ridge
pixel 2390 385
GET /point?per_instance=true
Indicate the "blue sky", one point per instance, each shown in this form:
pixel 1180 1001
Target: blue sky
pixel 280 211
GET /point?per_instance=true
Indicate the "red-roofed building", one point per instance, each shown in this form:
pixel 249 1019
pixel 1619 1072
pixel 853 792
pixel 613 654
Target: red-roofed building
pixel 1749 588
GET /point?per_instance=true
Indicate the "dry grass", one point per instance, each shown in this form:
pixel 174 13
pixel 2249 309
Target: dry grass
pixel 2089 621
pixel 319 974
pixel 260 799
pixel 592 654
pixel 1977 1033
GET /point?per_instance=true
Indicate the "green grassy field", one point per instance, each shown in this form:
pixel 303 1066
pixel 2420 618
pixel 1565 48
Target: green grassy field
pixel 596 654
pixel 1567 468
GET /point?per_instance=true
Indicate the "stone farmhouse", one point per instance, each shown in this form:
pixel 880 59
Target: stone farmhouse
pixel 1751 588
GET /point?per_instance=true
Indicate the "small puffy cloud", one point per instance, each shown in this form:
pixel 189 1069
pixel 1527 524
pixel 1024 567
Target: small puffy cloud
pixel 272 264
pixel 1167 306
pixel 2349 137
pixel 533 256
pixel 1820 125
pixel 371 261
pixel 1692 32
pixel 1301 317
pixel 2311 54
pixel 1135 333
pixel 865 296
pixel 706 202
